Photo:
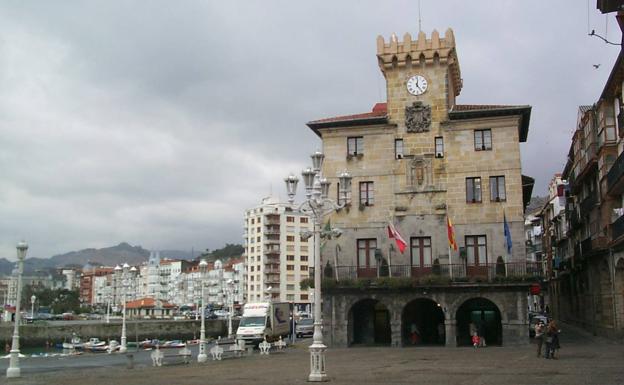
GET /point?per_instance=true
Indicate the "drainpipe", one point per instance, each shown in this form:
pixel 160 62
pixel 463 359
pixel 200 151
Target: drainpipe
pixel 612 275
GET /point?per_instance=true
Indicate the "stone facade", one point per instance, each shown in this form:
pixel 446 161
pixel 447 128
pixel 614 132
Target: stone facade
pixel 416 173
pixel 420 188
pixel 338 305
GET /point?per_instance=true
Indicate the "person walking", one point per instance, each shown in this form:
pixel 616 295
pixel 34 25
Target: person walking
pixel 539 337
pixel 552 332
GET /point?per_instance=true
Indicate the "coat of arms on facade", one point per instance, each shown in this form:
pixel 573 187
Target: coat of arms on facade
pixel 418 117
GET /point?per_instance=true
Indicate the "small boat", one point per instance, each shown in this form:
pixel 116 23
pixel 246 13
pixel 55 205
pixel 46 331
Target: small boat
pixel 74 344
pixel 148 344
pixel 99 349
pixel 172 344
pixel 95 344
pixel 112 346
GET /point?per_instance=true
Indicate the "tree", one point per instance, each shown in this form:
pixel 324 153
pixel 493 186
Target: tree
pixel 57 300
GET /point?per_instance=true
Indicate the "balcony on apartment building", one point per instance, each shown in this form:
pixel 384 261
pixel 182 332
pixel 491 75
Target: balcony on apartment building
pixel 587 161
pixel 272 279
pixel 271 269
pixel 589 203
pixel 272 219
pixel 615 177
pixel 617 230
pixel 272 240
pixel 271 260
pixel 272 230
pixel 272 250
pixel 458 272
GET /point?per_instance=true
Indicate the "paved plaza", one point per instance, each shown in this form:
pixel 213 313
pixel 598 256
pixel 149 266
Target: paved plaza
pixel 582 360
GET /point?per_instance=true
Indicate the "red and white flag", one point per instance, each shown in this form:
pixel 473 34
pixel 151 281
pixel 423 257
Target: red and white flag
pixel 393 233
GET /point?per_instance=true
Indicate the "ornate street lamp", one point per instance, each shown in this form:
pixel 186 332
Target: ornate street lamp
pixel 33 298
pixel 202 356
pixel 14 370
pixel 124 280
pixel 317 205
pixel 230 285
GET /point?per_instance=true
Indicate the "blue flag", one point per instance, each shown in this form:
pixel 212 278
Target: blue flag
pixel 507 234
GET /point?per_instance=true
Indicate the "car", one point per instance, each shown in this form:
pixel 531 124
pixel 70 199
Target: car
pixel 221 313
pixel 534 320
pixel 304 327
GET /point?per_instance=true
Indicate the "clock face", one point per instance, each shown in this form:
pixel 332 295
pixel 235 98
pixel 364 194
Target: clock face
pixel 417 85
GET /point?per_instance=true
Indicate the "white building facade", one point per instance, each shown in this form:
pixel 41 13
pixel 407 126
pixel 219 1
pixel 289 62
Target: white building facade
pixel 277 258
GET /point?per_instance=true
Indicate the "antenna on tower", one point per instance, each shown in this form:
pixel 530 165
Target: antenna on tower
pixel 419 21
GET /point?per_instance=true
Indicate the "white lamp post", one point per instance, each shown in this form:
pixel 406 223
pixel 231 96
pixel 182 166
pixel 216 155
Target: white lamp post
pixel 230 285
pixel 317 205
pixel 14 370
pixel 33 298
pixel 124 280
pixel 202 356
pixel 108 304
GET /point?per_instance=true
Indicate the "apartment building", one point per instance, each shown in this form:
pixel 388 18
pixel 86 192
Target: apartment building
pixel 587 280
pixel 277 258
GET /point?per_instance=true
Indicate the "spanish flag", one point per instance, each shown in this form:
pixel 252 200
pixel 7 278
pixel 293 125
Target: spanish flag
pixel 450 230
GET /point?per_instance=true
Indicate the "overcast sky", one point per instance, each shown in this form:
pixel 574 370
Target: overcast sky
pixel 160 122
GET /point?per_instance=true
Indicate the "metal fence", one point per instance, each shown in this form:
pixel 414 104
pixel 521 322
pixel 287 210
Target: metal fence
pixel 457 271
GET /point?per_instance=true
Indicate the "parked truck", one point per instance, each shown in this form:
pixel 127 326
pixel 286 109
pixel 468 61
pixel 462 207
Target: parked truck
pixel 262 320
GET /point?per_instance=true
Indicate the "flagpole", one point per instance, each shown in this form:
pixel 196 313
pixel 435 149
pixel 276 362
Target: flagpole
pixel 450 263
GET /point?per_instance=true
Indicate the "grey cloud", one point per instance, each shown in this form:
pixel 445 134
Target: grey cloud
pixel 159 123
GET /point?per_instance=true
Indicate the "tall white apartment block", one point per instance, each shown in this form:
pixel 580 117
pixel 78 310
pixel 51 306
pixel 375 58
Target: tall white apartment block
pixel 277 258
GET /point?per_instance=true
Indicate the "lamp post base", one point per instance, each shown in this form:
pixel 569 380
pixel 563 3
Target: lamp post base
pixel 317 363
pixel 13 372
pixel 202 356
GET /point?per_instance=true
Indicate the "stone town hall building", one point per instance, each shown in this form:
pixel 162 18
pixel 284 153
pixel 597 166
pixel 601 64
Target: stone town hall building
pixel 416 160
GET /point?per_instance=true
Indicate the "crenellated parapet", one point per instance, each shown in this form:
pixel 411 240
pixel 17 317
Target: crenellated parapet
pixel 420 52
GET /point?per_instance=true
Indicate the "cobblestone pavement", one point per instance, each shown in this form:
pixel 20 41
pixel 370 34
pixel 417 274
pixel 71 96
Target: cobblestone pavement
pixel 582 360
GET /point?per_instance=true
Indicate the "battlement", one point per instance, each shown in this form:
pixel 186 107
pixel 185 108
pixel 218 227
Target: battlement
pixel 420 52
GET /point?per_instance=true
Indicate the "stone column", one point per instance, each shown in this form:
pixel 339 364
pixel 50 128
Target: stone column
pixel 450 327
pixel 395 326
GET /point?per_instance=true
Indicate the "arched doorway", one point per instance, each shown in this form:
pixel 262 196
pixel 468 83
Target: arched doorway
pixel 485 317
pixel 369 322
pixel 422 323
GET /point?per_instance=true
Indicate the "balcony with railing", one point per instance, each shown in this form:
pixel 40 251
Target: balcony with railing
pixel 271 240
pixel 615 177
pixel 589 203
pixel 272 230
pixel 271 270
pixel 267 260
pixel 272 250
pixel 272 220
pixel 460 272
pixel 617 228
pixel 586 246
pixel 272 279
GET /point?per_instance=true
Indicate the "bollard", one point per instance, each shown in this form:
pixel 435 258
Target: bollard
pixel 130 363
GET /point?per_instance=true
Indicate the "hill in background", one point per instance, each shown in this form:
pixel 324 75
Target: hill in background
pixel 111 256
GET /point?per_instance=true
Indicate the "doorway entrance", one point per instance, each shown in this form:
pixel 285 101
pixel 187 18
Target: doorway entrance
pixel 481 315
pixel 369 322
pixel 423 323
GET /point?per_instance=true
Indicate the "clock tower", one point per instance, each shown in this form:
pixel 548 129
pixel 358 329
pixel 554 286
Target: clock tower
pixel 422 79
